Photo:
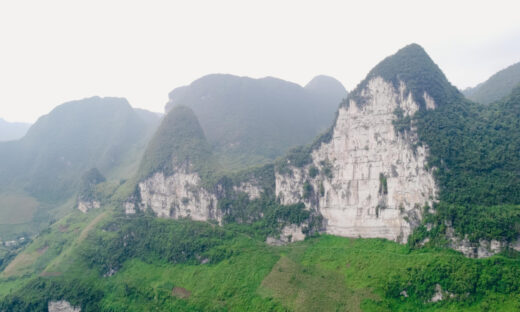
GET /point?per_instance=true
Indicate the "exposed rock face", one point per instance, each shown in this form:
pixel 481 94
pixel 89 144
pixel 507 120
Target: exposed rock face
pixel 62 306
pixel 290 233
pixel 441 294
pixel 482 249
pixel 178 196
pixel 85 206
pixel 378 181
pixel 254 191
pixel 129 207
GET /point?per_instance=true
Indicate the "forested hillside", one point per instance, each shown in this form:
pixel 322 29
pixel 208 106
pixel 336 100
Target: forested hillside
pixel 496 87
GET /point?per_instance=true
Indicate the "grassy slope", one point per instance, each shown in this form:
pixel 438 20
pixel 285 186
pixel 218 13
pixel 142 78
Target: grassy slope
pixel 47 250
pixel 323 273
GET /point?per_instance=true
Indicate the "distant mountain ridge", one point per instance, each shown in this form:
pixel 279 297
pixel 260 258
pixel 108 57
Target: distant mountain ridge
pixel 252 121
pixel 46 165
pixel 94 132
pixel 496 87
pixel 12 130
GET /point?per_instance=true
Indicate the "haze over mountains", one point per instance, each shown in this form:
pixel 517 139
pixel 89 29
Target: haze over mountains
pixel 47 163
pixel 10 131
pixel 260 194
pixel 496 87
pixel 249 121
pixel 252 121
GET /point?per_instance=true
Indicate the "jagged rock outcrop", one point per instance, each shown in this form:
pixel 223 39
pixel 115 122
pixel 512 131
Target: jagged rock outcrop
pixel 378 182
pixel 173 169
pixel 62 306
pixel 482 248
pixel 250 188
pixel 289 233
pixel 88 197
pixel 85 206
pixel 179 196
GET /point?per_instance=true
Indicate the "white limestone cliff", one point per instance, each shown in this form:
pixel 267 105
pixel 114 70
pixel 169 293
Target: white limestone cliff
pixel 365 150
pixel 178 196
pixel 61 306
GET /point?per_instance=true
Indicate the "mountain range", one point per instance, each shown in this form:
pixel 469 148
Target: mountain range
pixel 41 171
pixel 250 194
pixel 496 87
pixel 253 121
pixel 10 131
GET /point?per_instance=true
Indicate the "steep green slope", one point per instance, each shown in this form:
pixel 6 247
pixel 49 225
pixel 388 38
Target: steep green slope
pixel 12 130
pixel 496 87
pixel 179 141
pixel 252 121
pixel 413 66
pixel 476 150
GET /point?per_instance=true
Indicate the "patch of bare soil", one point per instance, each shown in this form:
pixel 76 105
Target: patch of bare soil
pixel 181 293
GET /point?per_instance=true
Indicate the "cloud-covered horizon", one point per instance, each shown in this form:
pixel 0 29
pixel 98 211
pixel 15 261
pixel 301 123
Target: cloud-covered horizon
pixel 57 51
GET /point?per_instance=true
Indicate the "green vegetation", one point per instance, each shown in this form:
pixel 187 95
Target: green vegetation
pixel 475 152
pixel 143 263
pixel 179 142
pixel 313 172
pixel 307 190
pixel 383 185
pixel 265 217
pixel 89 180
pixel 402 123
pixel 420 74
pixel 496 87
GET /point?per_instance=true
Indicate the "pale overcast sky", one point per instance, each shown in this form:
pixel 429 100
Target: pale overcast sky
pixel 56 51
